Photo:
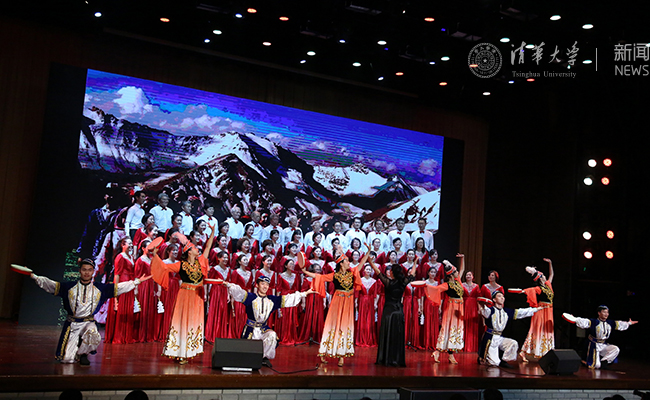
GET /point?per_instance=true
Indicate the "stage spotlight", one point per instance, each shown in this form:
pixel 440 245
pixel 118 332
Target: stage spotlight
pixel 432 63
pixel 607 162
pixel 284 18
pixel 356 64
pixel 217 32
pixel 251 11
pixel 588 181
pixel 238 15
pixel 98 14
pixel 381 78
pixel 311 53
pixel 605 180
pixel 586 235
pixel 511 82
pixel 206 40
pixel 303 61
pixel 587 26
pixel 473 65
pixel 266 43
pixel 610 234
pixel 429 19
pixel 609 254
pixel 444 58
pixel 486 93
pixel 504 40
pixel 592 163
pixel 555 17
pixel 587 62
pixel 443 83
pixel 381 42
pixel 530 46
pixel 530 80
pixel 399 73
pixel 588 255
pixel 163 19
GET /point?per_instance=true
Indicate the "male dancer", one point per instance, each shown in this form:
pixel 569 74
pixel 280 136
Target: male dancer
pixel 496 320
pixel 258 309
pixel 82 299
pixel 599 330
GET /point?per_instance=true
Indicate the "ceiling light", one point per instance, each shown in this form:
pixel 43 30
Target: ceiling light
pixel 238 15
pixel 605 180
pixel 207 40
pixel 429 19
pixel 486 93
pixel 588 181
pixel 217 32
pixel 399 73
pixel 610 234
pixel 592 163
pixel 607 162
pixel 356 64
pixel 284 18
pixel 473 65
pixel 251 11
pixel 381 42
pixel 443 30
pixel 443 83
pixel 98 14
pixel 586 235
pixel 587 26
pixel 303 61
pixel 511 82
pixel 609 254
pixel 164 19
pixel 266 43
pixel 530 80
pixel 311 53
pixel 432 63
pixel 588 255
pixel 530 46
pixel 381 78
pixel 587 62
pixel 444 58
pixel 504 40
pixel 555 17
pixel 341 40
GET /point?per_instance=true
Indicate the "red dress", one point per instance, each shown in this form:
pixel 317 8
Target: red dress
pixel 411 316
pixel 168 299
pixel 238 318
pixel 121 325
pixel 472 318
pixel 382 299
pixel 145 326
pixel 217 325
pixel 139 236
pixel 286 324
pixel 366 328
pixel 213 258
pixel 431 321
pixel 313 320
pixel 487 292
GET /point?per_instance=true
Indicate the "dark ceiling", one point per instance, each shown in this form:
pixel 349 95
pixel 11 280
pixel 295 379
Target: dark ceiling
pixel 412 43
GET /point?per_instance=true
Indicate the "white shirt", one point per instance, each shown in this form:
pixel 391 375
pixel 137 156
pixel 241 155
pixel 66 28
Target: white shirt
pixel 355 233
pixel 268 229
pixel 288 232
pixel 163 217
pixel 406 239
pixel 209 221
pixel 235 228
pixel 383 239
pixel 133 218
pixel 309 238
pixel 188 223
pixel 426 235
pixel 343 241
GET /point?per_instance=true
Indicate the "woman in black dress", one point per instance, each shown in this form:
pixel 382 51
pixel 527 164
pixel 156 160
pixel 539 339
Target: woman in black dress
pixel 391 350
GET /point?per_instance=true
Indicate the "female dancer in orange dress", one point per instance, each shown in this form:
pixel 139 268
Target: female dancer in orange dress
pixel 541 337
pixel 451 337
pixel 338 332
pixel 185 337
pixel 431 312
pixel 472 317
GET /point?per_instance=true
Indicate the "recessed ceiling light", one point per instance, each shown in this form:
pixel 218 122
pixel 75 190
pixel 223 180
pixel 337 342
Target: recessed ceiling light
pixel 504 40
pixel 207 40
pixel 429 19
pixel 443 30
pixel 381 78
pixel 399 73
pixel 587 62
pixel 444 58
pixel 486 93
pixel 303 61
pixel 356 64
pixel 98 14
pixel 511 82
pixel 555 17
pixel 530 46
pixel 284 18
pixel 530 80
pixel 432 63
pixel 251 11
pixel 238 15
pixel 443 83
pixel 341 40
pixel 381 42
pixel 164 19
pixel 217 32
pixel 311 53
pixel 587 26
pixel 266 43
pixel 473 65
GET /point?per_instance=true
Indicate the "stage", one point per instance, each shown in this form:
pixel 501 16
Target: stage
pixel 27 364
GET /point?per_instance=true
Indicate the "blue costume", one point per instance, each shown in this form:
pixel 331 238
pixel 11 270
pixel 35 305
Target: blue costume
pixel 599 331
pixel 496 320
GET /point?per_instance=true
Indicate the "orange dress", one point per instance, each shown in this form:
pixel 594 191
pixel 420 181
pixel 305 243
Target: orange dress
pixel 452 328
pixel 185 336
pixel 541 337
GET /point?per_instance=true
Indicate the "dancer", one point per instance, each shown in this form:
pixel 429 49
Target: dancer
pixel 145 320
pixel 185 337
pixel 431 313
pixel 286 322
pixel 245 279
pixel 314 317
pixel 496 320
pixel 472 318
pixel 366 305
pixel 541 336
pixel 451 337
pixel 390 351
pixel 258 309
pixel 338 333
pixel 217 324
pixel 121 318
pixel 81 300
pixel 599 330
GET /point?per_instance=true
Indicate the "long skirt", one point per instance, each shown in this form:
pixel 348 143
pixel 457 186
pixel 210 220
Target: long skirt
pixel 122 321
pixel 313 319
pixel 540 337
pixel 338 331
pixel 431 324
pixel 391 350
pixel 217 325
pixel 451 336
pixel 472 324
pixel 145 327
pixel 185 337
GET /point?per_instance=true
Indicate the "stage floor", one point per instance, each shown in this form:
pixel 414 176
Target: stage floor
pixel 27 364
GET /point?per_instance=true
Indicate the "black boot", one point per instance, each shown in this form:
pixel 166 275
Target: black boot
pixel 266 363
pixel 83 359
pixel 504 364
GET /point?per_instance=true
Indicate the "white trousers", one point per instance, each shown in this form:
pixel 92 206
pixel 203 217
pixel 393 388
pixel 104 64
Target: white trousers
pixel 90 340
pixel 508 346
pixel 269 341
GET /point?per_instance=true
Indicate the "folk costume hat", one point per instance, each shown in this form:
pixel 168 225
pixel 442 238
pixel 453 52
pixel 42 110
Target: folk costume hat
pixel 184 241
pixel 534 272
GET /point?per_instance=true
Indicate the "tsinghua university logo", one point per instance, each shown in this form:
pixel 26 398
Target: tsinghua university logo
pixel 484 60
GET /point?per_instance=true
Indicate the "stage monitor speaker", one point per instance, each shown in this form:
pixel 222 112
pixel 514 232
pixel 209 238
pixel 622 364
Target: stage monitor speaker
pixel 560 362
pixel 237 353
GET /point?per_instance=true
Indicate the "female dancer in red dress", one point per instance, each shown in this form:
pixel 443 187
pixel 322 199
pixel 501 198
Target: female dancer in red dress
pixel 168 296
pixel 222 245
pixel 488 289
pixel 145 319
pixel 249 229
pixel 311 328
pixel 473 326
pixel 366 304
pixel 243 249
pixel 201 237
pixel 412 303
pixel 217 325
pixel 120 322
pixel 422 254
pixel 380 257
pixel 541 336
pixel 286 323
pixel 431 311
pixel 355 245
pixel 452 335
pixel 141 233
pixel 244 278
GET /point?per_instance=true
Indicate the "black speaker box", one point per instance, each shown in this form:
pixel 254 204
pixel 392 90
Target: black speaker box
pixel 560 362
pixel 237 353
